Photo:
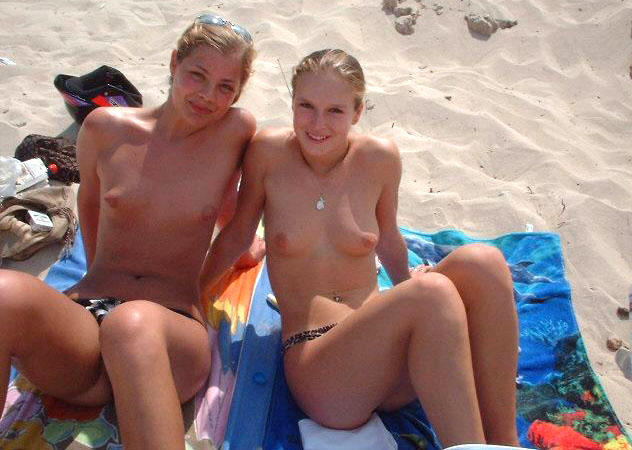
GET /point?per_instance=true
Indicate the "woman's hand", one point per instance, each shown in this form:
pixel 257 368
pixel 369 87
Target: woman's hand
pixel 421 268
pixel 254 254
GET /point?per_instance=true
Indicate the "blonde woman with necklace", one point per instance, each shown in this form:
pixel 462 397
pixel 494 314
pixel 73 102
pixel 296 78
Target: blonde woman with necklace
pixel 447 335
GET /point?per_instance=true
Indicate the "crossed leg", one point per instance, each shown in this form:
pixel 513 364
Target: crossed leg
pixel 418 331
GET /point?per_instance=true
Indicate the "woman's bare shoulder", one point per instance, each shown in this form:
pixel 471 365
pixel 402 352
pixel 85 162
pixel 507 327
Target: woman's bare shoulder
pixel 242 120
pixel 274 135
pixel 375 149
pixel 270 145
pixel 121 122
pixel 272 140
pixel 106 126
pixel 118 116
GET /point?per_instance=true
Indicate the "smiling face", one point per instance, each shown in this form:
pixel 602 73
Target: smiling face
pixel 205 83
pixel 324 108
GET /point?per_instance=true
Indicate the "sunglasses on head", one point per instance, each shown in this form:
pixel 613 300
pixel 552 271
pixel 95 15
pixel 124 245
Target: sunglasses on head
pixel 212 19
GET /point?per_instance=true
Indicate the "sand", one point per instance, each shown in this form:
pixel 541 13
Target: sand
pixel 529 125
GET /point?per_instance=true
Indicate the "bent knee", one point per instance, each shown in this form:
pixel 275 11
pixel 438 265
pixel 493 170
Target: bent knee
pixel 434 295
pixel 434 288
pixel 432 282
pixel 129 325
pixel 16 298
pixel 11 289
pixel 481 256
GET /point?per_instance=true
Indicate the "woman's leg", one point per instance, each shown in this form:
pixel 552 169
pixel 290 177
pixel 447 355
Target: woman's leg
pixel 156 359
pixel 481 275
pixel 55 341
pixel 418 329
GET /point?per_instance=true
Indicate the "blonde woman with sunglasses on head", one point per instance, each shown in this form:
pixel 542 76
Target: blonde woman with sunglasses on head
pixel 446 335
pixel 154 183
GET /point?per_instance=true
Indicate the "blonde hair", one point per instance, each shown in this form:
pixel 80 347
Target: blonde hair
pixel 341 62
pixel 221 38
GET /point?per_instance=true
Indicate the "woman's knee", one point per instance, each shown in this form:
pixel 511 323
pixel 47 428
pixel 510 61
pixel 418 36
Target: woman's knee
pixel 482 257
pixel 132 329
pixel 15 300
pixel 433 295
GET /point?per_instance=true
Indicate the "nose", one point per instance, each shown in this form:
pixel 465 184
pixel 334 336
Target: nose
pixel 207 92
pixel 318 118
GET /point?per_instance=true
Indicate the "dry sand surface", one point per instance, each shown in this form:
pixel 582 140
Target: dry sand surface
pixel 530 125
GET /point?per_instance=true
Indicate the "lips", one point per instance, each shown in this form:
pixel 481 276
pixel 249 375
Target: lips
pixel 316 137
pixel 200 109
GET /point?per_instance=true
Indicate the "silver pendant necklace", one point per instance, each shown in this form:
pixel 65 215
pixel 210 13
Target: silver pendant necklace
pixel 320 203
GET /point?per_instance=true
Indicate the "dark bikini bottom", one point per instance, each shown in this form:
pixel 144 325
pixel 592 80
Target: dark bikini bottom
pixel 100 307
pixel 307 335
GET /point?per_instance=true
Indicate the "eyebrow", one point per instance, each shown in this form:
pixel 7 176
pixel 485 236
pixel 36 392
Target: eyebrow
pixel 223 80
pixel 303 99
pixel 199 67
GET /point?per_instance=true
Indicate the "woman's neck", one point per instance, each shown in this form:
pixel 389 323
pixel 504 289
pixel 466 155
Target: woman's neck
pixel 323 165
pixel 171 125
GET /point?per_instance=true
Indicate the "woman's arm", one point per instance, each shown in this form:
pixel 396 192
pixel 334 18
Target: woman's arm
pixel 257 249
pixel 90 141
pixel 236 237
pixel 243 126
pixel 391 248
pixel 229 201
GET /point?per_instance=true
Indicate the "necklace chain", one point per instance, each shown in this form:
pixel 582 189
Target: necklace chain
pixel 320 203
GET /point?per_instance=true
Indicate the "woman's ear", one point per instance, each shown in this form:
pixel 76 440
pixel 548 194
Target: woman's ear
pixel 174 62
pixel 358 113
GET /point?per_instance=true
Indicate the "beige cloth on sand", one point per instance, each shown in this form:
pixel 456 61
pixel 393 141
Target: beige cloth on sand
pixel 18 241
